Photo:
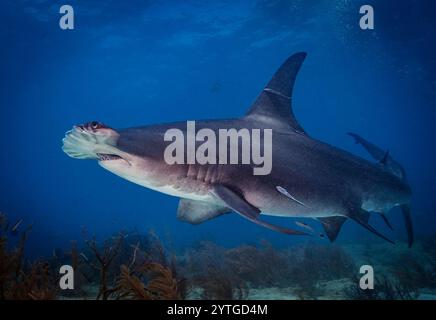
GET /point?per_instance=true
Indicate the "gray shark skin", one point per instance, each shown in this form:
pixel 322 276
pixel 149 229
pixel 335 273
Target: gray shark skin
pixel 308 178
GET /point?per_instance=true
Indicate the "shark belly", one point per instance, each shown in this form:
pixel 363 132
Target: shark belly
pixel 182 188
pixel 177 192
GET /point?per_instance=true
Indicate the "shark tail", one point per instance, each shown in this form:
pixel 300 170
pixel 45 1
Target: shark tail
pixel 392 166
pixel 405 208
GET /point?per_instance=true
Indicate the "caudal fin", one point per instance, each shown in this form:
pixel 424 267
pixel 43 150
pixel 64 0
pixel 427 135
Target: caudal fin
pixel 385 159
pixel 408 222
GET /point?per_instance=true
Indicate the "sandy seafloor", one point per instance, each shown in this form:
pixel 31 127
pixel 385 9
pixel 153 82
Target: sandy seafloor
pixel 382 256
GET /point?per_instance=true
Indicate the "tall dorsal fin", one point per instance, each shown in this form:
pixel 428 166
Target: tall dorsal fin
pixel 274 104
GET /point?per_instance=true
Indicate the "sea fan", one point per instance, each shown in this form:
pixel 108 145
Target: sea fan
pixel 131 287
pixel 161 284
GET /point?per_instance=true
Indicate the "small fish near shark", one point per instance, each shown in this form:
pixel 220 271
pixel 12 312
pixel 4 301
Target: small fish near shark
pixel 308 179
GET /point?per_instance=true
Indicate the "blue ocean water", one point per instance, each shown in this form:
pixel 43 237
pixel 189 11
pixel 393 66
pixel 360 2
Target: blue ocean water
pixel 144 62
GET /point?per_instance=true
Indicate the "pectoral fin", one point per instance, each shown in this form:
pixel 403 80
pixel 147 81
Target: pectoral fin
pixel 235 201
pixel 196 212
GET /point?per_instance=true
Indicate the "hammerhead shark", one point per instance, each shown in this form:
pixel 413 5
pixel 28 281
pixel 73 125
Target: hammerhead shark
pixel 308 178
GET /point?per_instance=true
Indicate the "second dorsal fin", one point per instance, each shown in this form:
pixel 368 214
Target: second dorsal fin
pixel 274 103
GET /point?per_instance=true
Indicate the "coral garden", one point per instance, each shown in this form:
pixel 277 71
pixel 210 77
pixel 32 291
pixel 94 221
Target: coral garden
pixel 138 266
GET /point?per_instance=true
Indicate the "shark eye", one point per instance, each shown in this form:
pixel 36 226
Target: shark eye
pixel 96 125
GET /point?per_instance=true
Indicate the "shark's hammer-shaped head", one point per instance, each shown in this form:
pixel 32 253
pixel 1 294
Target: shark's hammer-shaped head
pixel 129 153
pixel 94 140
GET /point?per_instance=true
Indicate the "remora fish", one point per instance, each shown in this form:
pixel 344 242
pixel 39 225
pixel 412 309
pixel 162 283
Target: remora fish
pixel 304 225
pixel 316 180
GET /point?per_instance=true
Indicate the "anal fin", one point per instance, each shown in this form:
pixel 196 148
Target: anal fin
pixel 332 226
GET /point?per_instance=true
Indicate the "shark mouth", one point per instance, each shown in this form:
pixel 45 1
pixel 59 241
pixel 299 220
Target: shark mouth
pixel 108 157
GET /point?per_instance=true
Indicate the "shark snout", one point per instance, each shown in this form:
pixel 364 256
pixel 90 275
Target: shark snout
pixel 92 140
